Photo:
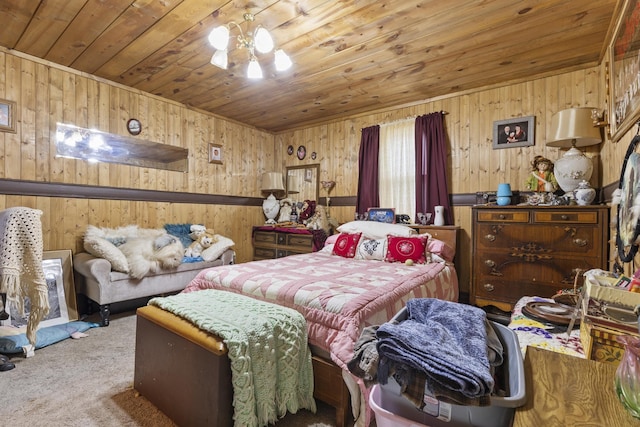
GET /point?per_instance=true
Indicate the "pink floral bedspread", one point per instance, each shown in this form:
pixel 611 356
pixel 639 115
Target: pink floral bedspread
pixel 337 296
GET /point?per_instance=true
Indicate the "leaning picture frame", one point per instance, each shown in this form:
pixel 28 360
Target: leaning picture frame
pixel 7 116
pixel 387 215
pixel 516 132
pixel 58 273
pixel 215 153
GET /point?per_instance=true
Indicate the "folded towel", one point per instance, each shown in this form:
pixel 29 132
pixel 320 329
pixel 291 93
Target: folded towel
pixel 446 340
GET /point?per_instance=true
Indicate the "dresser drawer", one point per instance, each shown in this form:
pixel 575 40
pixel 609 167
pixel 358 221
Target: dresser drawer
pixel 299 241
pixel 503 216
pixel 265 237
pixel 511 291
pixel 264 253
pixel 546 217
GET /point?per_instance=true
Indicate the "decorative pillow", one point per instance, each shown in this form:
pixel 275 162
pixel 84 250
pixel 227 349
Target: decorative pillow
pixel 181 231
pixel 376 230
pixel 346 245
pixel 331 239
pixel 375 249
pixel 438 247
pixel 401 249
pixel 217 249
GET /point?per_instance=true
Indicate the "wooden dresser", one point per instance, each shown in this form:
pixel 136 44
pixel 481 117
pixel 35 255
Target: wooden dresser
pixel 533 251
pixel 278 242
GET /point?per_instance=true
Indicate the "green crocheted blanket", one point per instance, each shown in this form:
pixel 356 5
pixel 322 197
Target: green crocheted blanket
pixel 270 360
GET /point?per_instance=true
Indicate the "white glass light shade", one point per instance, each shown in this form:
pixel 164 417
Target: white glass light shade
pixel 220 59
pixel 263 41
pixel 572 168
pixel 283 62
pixel 219 37
pixel 253 70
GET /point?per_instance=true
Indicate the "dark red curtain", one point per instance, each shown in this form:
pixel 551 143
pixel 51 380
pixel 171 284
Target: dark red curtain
pixel 431 166
pixel 368 189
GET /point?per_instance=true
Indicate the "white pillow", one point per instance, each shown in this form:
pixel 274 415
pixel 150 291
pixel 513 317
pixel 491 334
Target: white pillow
pixel 376 230
pixel 216 250
pixel 100 247
pixel 375 249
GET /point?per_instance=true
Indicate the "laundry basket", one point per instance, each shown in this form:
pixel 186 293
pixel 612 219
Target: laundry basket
pixel 391 409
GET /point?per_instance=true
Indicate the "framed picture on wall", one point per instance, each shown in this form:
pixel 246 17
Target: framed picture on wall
pixel 624 71
pixel 7 116
pixel 511 133
pixel 215 153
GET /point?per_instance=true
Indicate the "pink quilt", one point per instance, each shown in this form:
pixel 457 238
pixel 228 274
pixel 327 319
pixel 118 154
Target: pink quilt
pixel 337 296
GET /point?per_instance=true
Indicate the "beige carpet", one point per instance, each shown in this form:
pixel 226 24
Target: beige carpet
pixel 88 382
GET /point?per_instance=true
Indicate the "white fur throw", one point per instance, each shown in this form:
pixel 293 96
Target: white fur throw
pixel 104 243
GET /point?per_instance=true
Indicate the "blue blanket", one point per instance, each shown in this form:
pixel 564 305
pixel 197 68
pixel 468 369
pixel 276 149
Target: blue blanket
pixel 445 340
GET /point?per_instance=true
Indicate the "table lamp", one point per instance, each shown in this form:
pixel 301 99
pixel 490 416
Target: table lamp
pixel 573 128
pixel 271 183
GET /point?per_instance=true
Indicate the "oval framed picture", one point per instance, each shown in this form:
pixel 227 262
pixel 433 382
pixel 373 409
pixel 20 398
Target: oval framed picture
pixel 290 150
pixel 302 152
pixel 134 127
pixel 313 155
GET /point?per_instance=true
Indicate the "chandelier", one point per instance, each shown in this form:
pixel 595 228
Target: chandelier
pixel 258 40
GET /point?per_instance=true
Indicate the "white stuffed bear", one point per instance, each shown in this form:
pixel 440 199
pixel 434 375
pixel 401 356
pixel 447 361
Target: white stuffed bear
pixel 197 230
pixel 195 249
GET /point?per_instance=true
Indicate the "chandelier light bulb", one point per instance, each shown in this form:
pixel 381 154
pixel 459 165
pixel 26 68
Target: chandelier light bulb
pixel 219 37
pixel 220 59
pixel 253 70
pixel 263 41
pixel 283 62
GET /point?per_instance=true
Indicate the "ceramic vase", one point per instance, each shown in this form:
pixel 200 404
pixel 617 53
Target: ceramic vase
pixel 584 194
pixel 439 215
pixel 504 194
pixel 627 377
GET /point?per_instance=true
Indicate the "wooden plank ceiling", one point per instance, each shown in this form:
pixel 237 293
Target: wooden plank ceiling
pixel 349 56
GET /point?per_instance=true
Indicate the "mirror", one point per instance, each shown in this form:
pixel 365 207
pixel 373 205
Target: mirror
pixel 96 146
pixel 303 182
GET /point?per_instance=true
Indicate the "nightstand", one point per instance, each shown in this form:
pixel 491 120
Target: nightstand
pixel 533 250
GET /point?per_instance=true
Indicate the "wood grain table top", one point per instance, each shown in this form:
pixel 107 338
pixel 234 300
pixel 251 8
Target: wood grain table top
pixel 565 391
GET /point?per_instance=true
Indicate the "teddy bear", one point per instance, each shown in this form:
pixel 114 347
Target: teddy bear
pixel 195 249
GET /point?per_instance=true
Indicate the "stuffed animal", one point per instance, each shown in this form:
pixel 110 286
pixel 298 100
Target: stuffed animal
pixel 197 230
pixel 150 255
pixel 204 241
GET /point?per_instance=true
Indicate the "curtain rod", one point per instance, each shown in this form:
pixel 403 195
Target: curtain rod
pixel 444 113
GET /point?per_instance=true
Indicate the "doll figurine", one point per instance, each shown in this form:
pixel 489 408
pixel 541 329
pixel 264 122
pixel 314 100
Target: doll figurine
pixel 542 178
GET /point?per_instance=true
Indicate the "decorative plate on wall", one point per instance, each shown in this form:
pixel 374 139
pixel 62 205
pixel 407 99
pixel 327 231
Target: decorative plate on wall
pixel 313 155
pixel 290 150
pixel 302 152
pixel 134 127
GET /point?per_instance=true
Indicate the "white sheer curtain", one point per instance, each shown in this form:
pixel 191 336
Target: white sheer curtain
pixel 397 167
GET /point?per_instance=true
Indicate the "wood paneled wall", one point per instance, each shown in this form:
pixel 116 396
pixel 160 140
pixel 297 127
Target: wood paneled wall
pixel 473 164
pixel 46 94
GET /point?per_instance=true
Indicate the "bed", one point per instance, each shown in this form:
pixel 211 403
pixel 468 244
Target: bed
pixel 343 288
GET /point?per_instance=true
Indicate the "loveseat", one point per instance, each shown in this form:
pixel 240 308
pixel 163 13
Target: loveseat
pixel 127 263
pixel 95 279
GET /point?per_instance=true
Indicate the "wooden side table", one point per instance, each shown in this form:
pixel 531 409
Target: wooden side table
pixel 569 391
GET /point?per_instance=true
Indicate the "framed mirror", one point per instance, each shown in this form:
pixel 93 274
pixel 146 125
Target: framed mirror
pixel 302 182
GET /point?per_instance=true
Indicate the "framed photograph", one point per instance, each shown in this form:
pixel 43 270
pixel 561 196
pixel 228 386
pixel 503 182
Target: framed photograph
pixel 7 116
pixel 58 274
pixel 624 71
pixel 308 175
pixel 381 215
pixel 511 133
pixel 215 153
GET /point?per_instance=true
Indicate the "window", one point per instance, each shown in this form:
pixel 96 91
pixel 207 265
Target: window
pixel 397 167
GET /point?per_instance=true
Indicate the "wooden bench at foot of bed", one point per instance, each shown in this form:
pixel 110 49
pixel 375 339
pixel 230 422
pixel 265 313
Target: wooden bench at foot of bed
pixel 185 372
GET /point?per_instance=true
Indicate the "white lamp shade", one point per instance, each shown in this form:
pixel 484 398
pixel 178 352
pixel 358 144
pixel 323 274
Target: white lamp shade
pixel 282 60
pixel 574 127
pixel 220 59
pixel 219 37
pixel 272 181
pixel 253 70
pixel 263 41
pixel 293 184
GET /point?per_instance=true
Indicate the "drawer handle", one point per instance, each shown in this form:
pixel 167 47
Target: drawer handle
pixel 490 237
pixel 490 263
pixel 502 216
pixel 564 217
pixel 488 287
pixel 580 242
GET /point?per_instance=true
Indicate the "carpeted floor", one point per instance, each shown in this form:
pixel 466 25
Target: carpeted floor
pixel 89 382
